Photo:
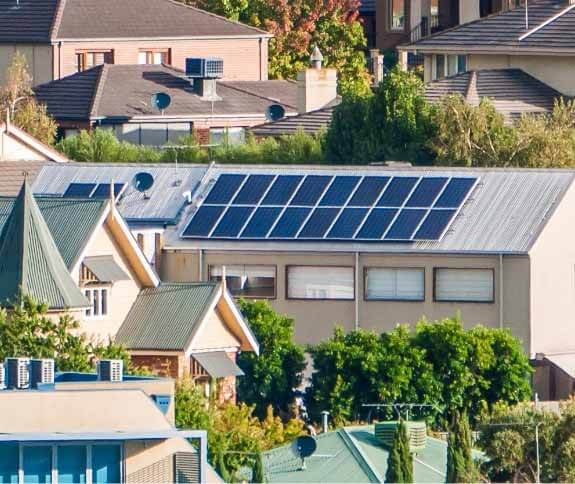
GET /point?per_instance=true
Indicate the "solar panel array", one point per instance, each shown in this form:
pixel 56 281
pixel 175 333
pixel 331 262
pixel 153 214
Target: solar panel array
pixel 325 207
pixel 93 190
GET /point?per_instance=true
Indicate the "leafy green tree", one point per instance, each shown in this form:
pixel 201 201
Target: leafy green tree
pixel 271 377
pixel 222 469
pixel 400 461
pixel 460 466
pixel 258 473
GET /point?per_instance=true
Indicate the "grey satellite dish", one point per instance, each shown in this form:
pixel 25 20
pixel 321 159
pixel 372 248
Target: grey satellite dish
pixel 161 101
pixel 143 181
pixel 275 112
pixel 304 447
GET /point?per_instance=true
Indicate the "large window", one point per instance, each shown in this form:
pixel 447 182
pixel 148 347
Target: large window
pixel 98 299
pixel 395 284
pixel 37 464
pixel 464 285
pixel 247 281
pixel 227 136
pixel 154 56
pixel 397 14
pixel 307 282
pixel 88 59
pixel 72 460
pixel 449 65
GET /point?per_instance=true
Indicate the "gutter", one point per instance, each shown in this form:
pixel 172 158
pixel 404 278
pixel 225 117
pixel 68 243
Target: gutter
pixel 147 39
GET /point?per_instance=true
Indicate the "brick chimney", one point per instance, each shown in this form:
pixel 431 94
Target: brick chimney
pixel 316 86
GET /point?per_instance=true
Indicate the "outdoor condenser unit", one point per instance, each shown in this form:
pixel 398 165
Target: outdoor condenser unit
pixel 41 371
pixel 110 370
pixel 17 373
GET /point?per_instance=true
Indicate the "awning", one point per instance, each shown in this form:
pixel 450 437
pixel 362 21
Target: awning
pixel 564 361
pixel 218 364
pixel 105 268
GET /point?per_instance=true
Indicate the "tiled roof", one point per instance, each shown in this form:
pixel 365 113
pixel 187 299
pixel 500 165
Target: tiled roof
pixel 26 20
pixel 311 123
pixel 30 262
pixel 513 92
pixel 551 26
pixel 105 19
pixel 124 91
pixel 166 317
pixel 13 174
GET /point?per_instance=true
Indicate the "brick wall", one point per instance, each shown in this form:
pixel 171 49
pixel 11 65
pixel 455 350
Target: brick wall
pixel 160 365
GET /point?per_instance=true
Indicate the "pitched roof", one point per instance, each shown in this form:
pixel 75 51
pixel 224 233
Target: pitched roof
pixel 167 316
pixel 311 123
pixel 40 151
pixel 513 92
pixel 26 20
pixel 30 262
pixel 124 91
pixel 551 28
pixel 13 174
pixel 111 19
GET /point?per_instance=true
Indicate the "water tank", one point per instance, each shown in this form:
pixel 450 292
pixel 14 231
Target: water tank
pixel 41 372
pixel 17 373
pixel 416 431
pixel 110 370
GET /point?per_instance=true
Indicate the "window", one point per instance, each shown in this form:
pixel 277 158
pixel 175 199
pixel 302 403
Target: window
pixel 106 463
pixel 439 66
pixel 307 282
pixel 72 461
pixel 154 56
pixel 9 460
pixel 37 464
pixel 98 299
pixel 87 60
pixel 247 281
pixel 397 14
pixel 230 136
pixel 465 285
pixel 399 284
pixel 456 64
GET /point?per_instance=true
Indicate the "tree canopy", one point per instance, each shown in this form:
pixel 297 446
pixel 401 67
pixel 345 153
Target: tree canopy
pixel 400 461
pixel 460 465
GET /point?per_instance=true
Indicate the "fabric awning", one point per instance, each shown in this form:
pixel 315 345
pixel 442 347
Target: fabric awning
pixel 564 361
pixel 218 364
pixel 105 268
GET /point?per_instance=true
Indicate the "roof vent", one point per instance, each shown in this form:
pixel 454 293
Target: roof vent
pixel 110 370
pixel 204 67
pixel 416 430
pixel 41 372
pixel 17 373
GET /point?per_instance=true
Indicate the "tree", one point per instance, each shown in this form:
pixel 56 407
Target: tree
pixel 258 474
pixel 297 26
pixel 460 466
pixel 399 461
pixel 17 97
pixel 271 377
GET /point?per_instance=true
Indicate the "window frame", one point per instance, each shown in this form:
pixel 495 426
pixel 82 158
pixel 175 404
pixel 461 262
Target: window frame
pixel 390 26
pixel 464 301
pixel 286 281
pixel 100 289
pixel 85 52
pixel 366 298
pixel 259 298
pixel 165 51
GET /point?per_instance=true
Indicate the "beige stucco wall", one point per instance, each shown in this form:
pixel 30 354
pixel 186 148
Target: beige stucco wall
pixel 553 282
pixel 244 59
pixel 214 334
pixel 12 149
pixel 39 59
pixel 315 320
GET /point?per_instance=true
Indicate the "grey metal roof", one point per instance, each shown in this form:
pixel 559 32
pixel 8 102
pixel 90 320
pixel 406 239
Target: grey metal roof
pixel 166 317
pixel 504 214
pixel 218 364
pixel 105 268
pixel 311 123
pixel 166 197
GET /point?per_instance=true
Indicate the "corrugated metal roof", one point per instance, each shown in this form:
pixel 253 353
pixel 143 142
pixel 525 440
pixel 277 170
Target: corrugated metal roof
pixel 504 214
pixel 105 268
pixel 165 317
pixel 218 364
pixel 166 197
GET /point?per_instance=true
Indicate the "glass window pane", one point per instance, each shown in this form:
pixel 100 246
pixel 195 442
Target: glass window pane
pixel 96 302
pixel 9 457
pixel 397 14
pixel 71 464
pixel 37 464
pixel 470 285
pixel 439 66
pixel 142 58
pixel 452 65
pixel 461 63
pixel 104 296
pixel 158 57
pixel 395 284
pixel 320 282
pixel 106 462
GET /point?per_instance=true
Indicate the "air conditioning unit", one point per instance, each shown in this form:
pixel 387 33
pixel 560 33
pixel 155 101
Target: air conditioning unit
pixel 204 67
pixel 41 372
pixel 2 377
pixel 416 431
pixel 17 373
pixel 110 370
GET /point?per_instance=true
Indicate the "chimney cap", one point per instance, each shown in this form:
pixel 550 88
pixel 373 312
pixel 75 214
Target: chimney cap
pixel 316 57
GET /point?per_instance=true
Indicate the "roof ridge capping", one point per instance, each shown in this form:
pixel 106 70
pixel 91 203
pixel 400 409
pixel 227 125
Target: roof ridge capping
pixel 547 22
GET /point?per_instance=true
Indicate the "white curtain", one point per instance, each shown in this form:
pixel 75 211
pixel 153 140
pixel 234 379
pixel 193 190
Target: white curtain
pixel 395 283
pixel 320 282
pixel 464 285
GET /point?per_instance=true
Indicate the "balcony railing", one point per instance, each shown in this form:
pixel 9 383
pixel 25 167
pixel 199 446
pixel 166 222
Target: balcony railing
pixel 427 26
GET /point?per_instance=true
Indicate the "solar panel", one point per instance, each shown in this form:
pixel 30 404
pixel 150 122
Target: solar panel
pixel 103 190
pixel 325 207
pixel 79 190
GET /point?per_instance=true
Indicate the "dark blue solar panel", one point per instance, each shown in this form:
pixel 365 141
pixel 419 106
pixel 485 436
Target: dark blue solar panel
pixel 79 190
pixel 290 222
pixel 282 190
pixel 347 223
pixel 368 191
pixel 261 222
pixel 253 190
pixel 224 189
pixel 203 221
pixel 434 224
pixel 376 223
pixel 405 224
pixel 232 221
pixel 310 190
pixel 339 191
pixel 455 192
pixel 426 192
pixel 103 190
pixel 318 223
pixel 397 191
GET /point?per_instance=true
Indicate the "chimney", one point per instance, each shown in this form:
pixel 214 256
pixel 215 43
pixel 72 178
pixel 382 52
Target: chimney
pixel 316 86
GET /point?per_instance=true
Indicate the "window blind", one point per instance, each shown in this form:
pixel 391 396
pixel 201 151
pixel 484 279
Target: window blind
pixel 473 285
pixel 395 284
pixel 306 282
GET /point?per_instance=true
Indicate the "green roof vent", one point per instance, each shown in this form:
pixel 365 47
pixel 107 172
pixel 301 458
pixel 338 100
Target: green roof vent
pixel 416 431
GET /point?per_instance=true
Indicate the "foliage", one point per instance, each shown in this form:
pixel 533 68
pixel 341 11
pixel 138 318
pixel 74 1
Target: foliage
pixel 17 96
pixel 27 330
pixel 437 363
pixel 101 145
pixel 400 461
pixel 258 474
pixel 508 439
pixel 299 25
pixel 395 123
pixel 460 466
pixel 235 435
pixel 271 377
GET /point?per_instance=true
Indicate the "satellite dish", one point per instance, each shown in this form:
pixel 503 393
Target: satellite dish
pixel 160 100
pixel 275 112
pixel 304 447
pixel 143 181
